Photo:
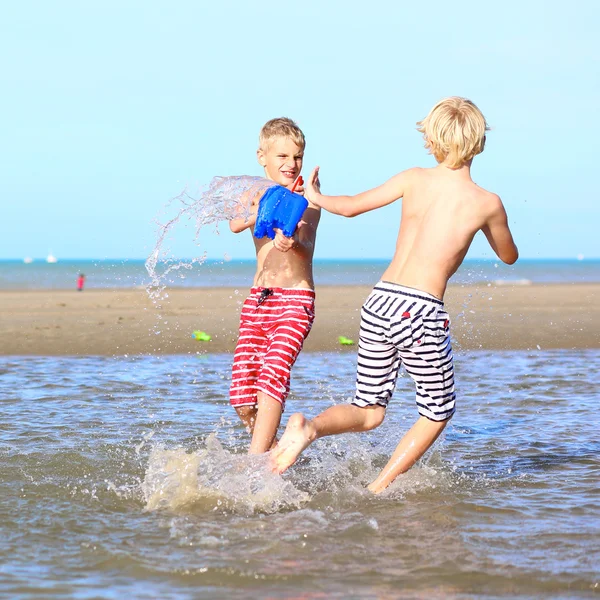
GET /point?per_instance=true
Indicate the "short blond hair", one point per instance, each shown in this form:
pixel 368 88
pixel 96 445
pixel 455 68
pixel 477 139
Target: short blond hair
pixel 280 127
pixel 454 131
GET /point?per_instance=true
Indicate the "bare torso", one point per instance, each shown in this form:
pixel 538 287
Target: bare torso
pixel 442 210
pixel 292 269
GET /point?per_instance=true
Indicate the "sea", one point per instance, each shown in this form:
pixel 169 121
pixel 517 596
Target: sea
pixel 127 476
pixel 39 274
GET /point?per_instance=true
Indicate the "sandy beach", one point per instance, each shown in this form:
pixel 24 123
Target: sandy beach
pixel 116 322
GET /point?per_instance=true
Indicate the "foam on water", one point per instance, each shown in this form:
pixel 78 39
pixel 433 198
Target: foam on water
pixel 223 199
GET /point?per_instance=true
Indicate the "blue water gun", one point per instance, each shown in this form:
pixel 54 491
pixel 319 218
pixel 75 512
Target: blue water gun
pixel 279 208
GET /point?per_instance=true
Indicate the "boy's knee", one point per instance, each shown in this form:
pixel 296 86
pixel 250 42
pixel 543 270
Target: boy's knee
pixel 374 416
pixel 246 412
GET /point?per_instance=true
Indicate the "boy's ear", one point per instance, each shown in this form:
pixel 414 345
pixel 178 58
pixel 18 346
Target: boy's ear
pixel 260 155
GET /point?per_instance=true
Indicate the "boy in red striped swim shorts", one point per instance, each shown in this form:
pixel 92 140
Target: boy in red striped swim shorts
pixel 279 312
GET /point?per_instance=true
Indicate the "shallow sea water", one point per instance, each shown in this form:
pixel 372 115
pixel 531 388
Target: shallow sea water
pixel 126 478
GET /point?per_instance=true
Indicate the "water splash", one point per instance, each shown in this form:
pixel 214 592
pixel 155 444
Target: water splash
pixel 225 198
pixel 214 478
pixel 337 473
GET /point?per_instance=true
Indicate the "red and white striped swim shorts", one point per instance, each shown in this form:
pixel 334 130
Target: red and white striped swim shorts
pixel 273 326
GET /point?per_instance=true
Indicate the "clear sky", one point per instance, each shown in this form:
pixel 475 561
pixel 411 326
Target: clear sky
pixel 110 108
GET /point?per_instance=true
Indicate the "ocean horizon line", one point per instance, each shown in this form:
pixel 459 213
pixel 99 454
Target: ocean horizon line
pixel 575 259
pixel 31 274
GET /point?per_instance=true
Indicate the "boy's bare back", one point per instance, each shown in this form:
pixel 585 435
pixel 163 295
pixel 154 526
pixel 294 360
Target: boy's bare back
pixel 442 210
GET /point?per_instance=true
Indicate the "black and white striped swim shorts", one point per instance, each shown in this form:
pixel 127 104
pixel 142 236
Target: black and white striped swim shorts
pixel 402 325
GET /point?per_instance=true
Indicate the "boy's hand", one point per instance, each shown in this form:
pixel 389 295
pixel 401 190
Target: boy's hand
pixel 285 244
pixel 313 187
pixel 282 243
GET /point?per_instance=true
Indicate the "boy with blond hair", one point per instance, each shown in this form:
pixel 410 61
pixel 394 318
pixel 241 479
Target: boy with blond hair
pixel 403 321
pixel 278 314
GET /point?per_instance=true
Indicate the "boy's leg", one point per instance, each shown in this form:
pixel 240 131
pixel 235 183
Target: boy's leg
pixel 247 362
pixel 429 362
pixel 376 373
pixel 286 337
pixel 265 425
pixel 411 448
pixel 247 415
pixel 300 432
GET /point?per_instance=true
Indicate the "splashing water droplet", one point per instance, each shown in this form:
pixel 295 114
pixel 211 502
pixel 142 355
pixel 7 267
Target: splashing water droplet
pixel 224 199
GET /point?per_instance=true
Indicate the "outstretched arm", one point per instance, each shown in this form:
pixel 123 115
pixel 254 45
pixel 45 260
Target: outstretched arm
pixel 498 234
pixel 351 206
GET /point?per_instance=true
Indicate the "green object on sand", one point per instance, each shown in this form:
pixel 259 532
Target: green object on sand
pixel 201 336
pixel 344 341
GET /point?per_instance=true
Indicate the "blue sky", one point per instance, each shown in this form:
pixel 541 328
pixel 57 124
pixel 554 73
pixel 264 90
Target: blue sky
pixel 111 108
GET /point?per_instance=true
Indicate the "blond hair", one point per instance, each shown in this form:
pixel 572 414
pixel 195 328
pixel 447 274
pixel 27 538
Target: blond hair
pixel 280 127
pixel 454 131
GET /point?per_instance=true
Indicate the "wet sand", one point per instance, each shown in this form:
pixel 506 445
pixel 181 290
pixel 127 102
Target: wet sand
pixel 125 321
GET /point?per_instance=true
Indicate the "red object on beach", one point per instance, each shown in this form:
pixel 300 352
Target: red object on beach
pixel 298 182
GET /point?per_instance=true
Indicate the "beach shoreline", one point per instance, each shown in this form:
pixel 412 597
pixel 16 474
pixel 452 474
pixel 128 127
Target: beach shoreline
pixel 125 321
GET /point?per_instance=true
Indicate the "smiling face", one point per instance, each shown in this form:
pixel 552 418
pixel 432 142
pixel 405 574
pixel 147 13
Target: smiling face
pixel 282 160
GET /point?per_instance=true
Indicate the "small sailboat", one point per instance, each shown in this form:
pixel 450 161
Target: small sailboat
pixel 51 258
pixel 28 260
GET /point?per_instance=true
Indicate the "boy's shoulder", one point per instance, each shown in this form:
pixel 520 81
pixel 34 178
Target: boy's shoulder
pixel 418 173
pixel 415 172
pixel 487 203
pixel 486 195
pixel 487 198
pixel 409 175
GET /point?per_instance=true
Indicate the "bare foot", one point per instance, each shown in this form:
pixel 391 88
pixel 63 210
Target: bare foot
pixel 298 435
pixel 376 488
